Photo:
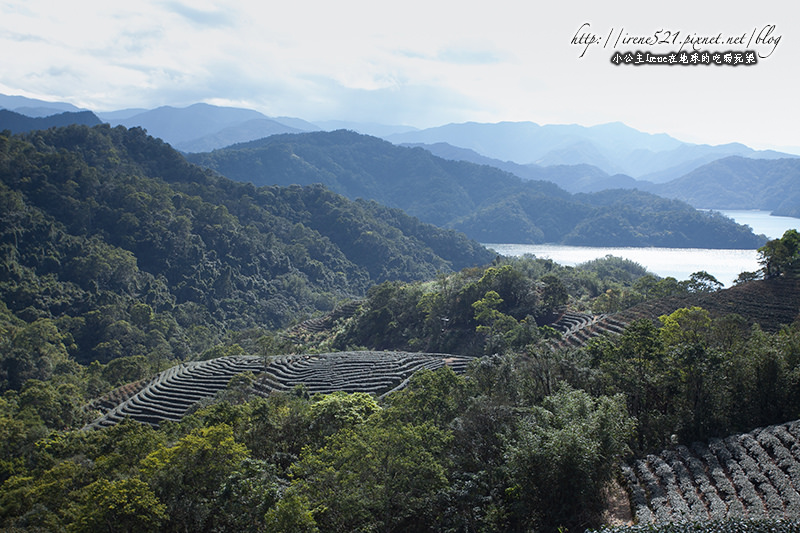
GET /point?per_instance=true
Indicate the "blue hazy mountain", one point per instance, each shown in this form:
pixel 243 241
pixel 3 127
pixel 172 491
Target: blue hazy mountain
pixel 576 158
pixel 33 107
pixel 241 132
pixel 204 127
pixel 367 128
pixel 572 178
pixel 180 125
pixel 486 203
pixel 740 183
pixel 113 117
pixel 614 148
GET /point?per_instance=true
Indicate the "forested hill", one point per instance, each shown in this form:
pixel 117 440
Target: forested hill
pixel 18 123
pixel 123 248
pixel 486 203
pixel 741 183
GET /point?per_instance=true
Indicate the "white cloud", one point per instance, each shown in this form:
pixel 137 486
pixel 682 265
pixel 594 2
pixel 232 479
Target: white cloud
pixel 415 62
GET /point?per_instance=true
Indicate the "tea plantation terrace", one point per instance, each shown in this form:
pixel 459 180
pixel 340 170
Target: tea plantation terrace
pixel 170 394
pixel 754 475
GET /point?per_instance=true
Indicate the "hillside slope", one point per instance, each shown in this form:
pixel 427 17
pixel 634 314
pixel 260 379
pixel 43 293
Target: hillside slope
pixel 572 178
pixel 613 147
pixel 486 203
pixel 201 127
pixel 132 250
pixel 19 123
pixel 769 303
pixel 740 183
pixel 752 475
pixel 172 393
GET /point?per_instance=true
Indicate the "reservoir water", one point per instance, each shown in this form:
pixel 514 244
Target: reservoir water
pixel 680 263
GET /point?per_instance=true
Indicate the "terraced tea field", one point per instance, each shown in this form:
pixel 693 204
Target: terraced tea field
pixel 754 475
pixel 769 303
pixel 173 392
pixel 578 328
pixel 374 372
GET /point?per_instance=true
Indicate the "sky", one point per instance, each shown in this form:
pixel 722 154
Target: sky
pixel 419 63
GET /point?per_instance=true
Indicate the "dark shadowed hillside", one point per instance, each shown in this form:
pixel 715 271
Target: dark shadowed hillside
pixel 486 203
pixel 741 183
pixel 18 123
pixel 771 304
pixel 133 250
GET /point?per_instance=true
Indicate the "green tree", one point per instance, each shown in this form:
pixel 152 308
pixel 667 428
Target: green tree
pixel 126 370
pixel 646 286
pixel 554 293
pixel 668 286
pixel 608 302
pixel 637 365
pixel 57 406
pixel 745 277
pixel 781 256
pixel 763 376
pixel 435 396
pixel 491 322
pixel 124 505
pixel 702 281
pixel 376 477
pixel 186 476
pixel 330 413
pixel 36 351
pixel 290 515
pixel 278 428
pixel 687 325
pixel 247 496
pixel 704 400
pixel 562 456
pixel 41 501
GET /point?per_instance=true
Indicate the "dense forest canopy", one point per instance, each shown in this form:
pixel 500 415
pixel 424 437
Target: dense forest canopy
pixel 111 236
pixel 527 439
pixel 119 259
pixel 486 203
pixel 740 183
pixel 18 123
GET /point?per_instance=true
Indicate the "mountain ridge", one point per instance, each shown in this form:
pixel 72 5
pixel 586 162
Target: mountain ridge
pixel 738 182
pixel 580 177
pixel 577 158
pixel 16 102
pixel 486 203
pixel 613 147
pixel 111 213
pixel 19 123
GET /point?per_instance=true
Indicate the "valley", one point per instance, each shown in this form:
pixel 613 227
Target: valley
pixel 435 267
pixel 307 326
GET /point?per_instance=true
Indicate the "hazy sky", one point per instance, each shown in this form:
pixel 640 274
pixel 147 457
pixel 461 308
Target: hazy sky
pixel 421 63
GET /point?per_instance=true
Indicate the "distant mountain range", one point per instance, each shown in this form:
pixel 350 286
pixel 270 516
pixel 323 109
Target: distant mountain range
pixel 573 178
pixel 576 158
pixel 35 108
pixel 604 146
pixel 485 203
pixel 203 127
pixel 740 183
pixel 613 148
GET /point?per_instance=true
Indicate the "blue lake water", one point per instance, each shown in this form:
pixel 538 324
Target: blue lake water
pixel 763 222
pixel 680 263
